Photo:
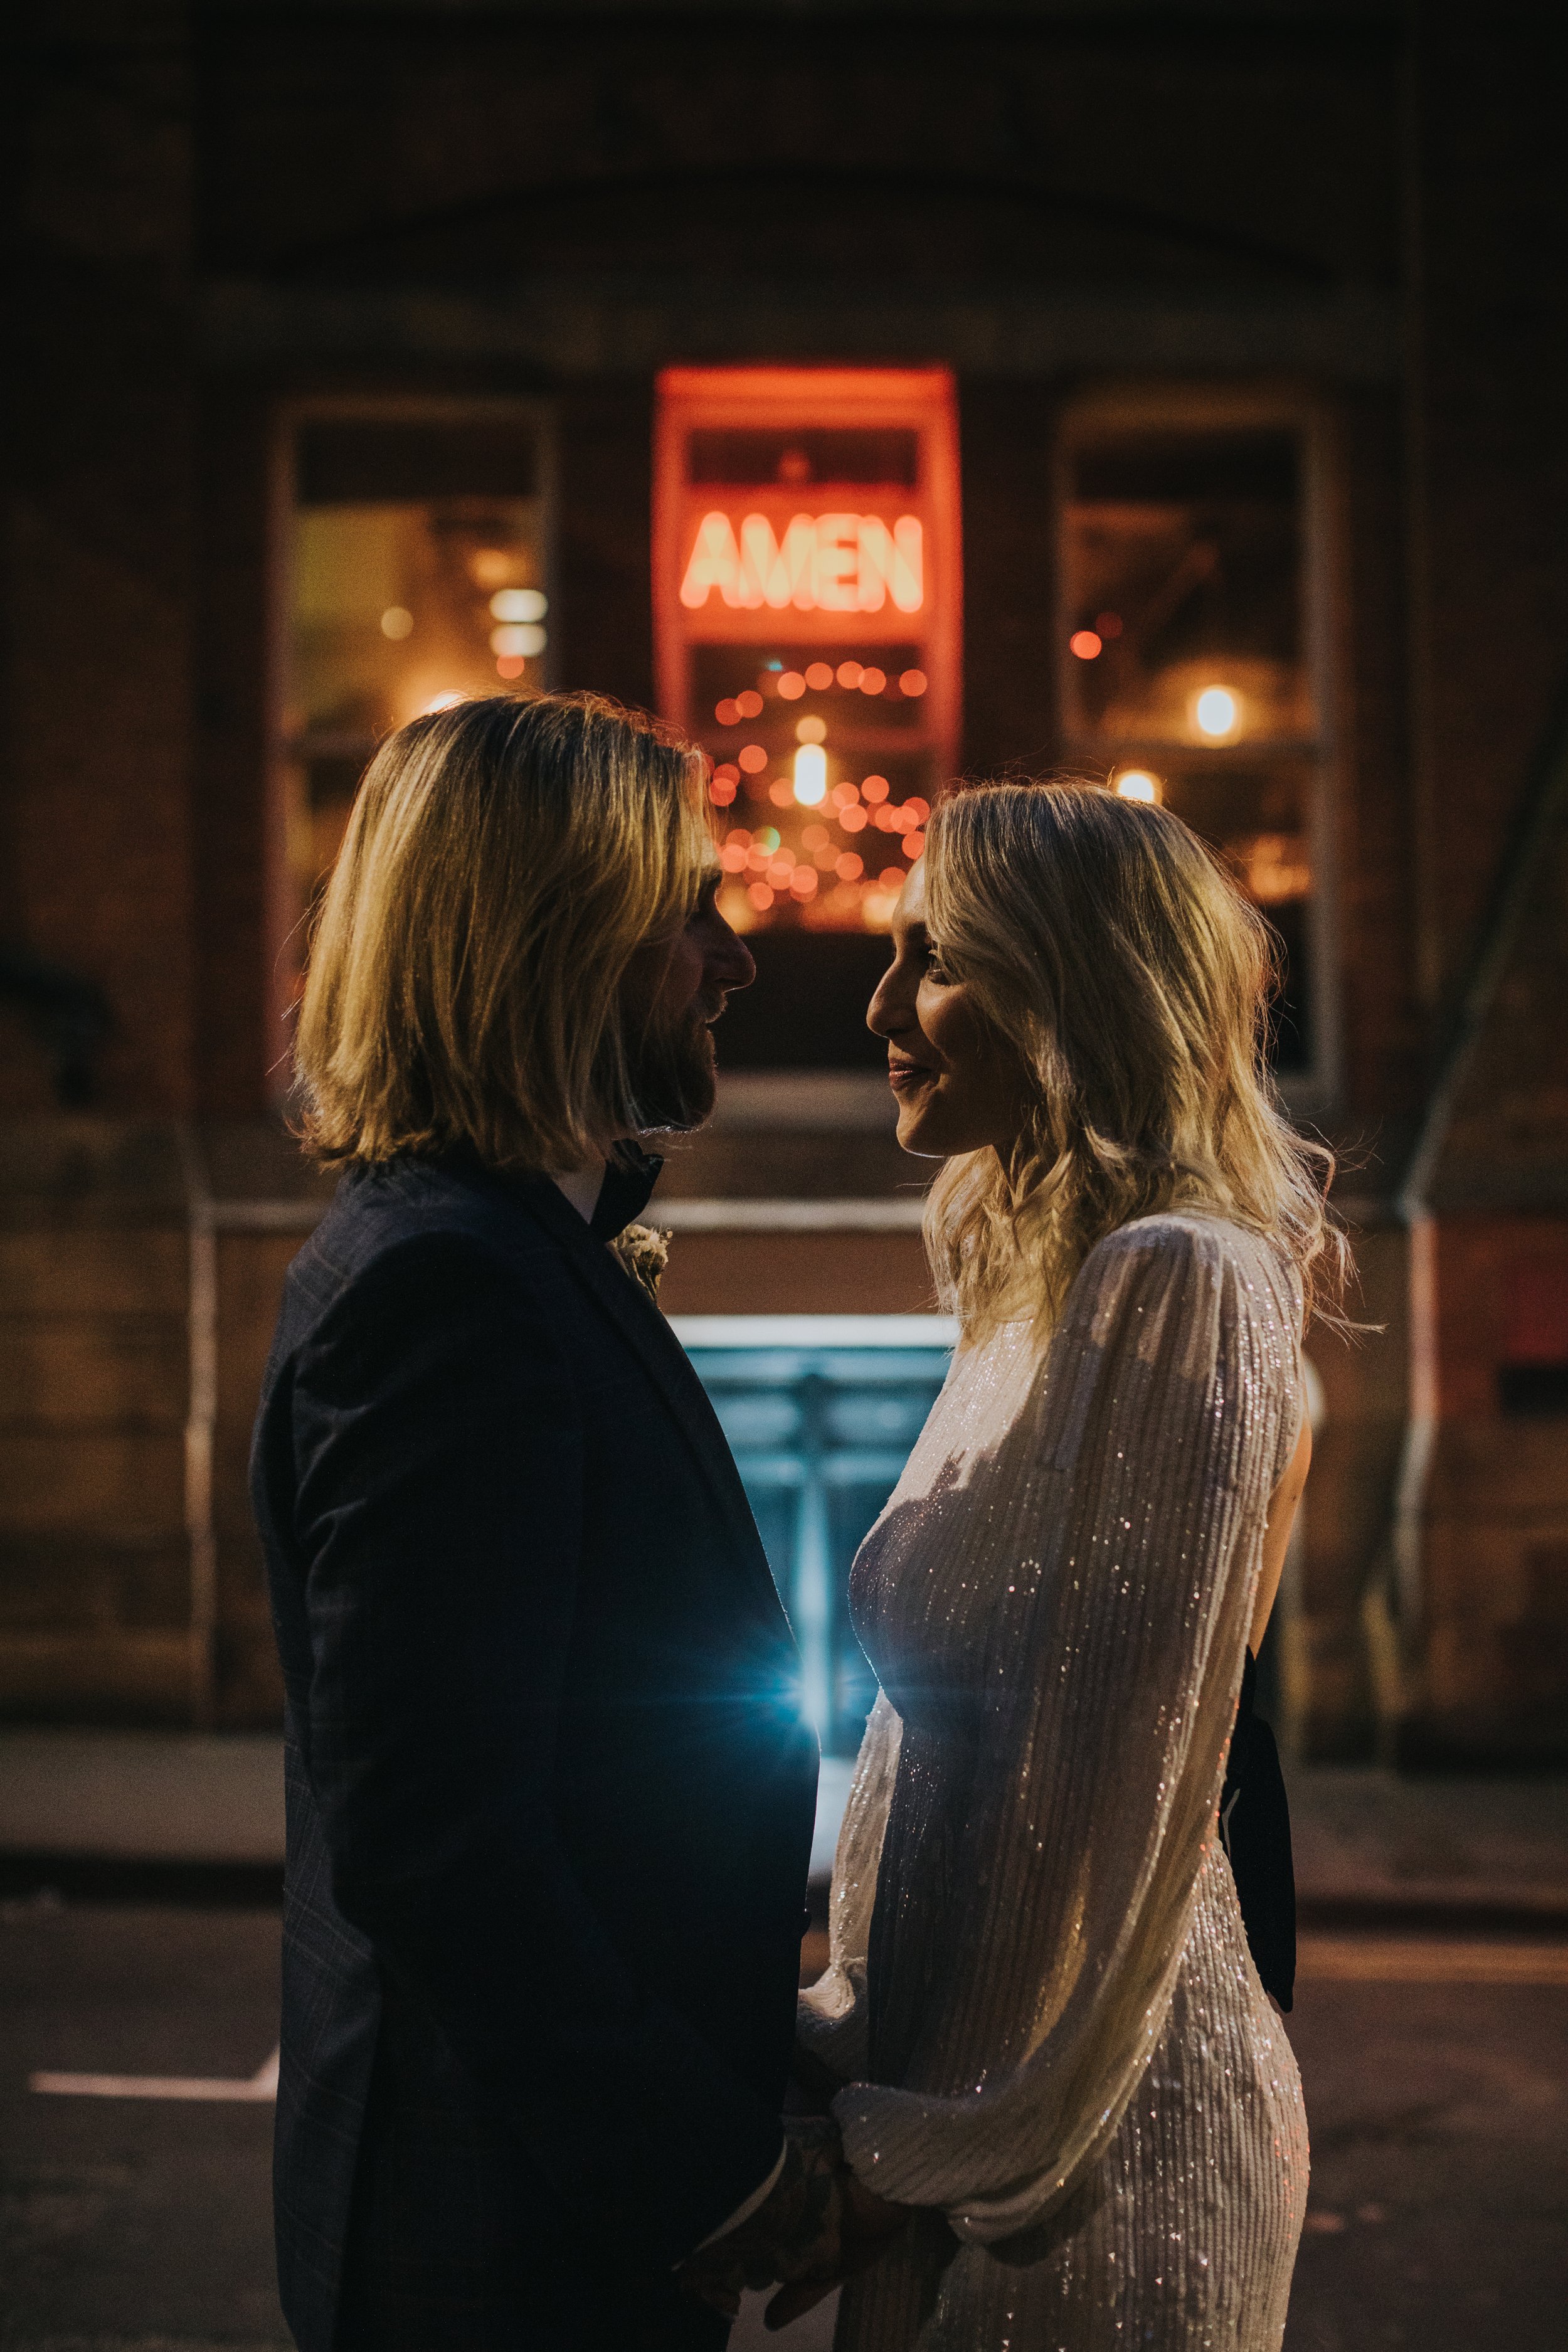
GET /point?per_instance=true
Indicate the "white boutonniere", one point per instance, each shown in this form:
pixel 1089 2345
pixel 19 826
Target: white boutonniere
pixel 642 1250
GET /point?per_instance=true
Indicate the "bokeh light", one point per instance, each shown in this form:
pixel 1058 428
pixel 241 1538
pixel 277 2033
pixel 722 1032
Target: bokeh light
pixel 519 604
pixel 1216 713
pixel 810 773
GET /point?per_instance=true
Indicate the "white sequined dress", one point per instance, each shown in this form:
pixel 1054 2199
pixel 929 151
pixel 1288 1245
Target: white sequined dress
pixel 1040 1997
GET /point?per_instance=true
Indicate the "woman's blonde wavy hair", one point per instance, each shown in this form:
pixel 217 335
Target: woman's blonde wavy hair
pixel 503 861
pixel 1126 970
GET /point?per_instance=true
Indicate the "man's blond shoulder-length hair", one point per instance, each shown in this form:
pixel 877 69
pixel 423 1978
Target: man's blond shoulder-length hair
pixel 504 860
pixel 1132 978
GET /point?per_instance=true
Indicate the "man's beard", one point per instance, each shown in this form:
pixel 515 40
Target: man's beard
pixel 673 1073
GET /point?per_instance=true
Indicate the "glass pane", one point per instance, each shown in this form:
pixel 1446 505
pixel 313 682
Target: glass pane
pixel 822 779
pixel 416 577
pixel 1183 587
pixel 395 606
pixel 820 1437
pixel 806 610
pixel 1187 677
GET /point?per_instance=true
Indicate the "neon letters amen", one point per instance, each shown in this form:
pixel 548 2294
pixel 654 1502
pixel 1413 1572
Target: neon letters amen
pixel 826 563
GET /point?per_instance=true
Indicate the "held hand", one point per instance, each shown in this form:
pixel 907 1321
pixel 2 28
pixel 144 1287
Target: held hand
pixel 815 2226
pixel 868 2225
pixel 813 2086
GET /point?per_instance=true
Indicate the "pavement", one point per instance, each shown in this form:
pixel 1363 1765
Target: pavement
pixel 119 1810
pixel 139 1952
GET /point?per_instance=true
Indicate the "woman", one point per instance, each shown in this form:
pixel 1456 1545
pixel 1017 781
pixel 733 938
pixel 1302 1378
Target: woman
pixel 1054 2042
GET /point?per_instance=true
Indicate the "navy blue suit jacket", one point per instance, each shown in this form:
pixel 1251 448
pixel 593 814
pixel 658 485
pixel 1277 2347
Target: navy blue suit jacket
pixel 550 1800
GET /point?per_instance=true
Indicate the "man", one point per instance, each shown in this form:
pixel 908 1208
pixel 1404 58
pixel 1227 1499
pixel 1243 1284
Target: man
pixel 550 1801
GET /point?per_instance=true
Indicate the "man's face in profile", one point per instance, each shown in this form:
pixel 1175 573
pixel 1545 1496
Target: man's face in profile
pixel 675 990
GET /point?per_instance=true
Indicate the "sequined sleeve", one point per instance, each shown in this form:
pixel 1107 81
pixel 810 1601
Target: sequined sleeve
pixel 1125 1565
pixel 832 2016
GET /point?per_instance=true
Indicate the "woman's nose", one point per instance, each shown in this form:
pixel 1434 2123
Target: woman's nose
pixel 886 1014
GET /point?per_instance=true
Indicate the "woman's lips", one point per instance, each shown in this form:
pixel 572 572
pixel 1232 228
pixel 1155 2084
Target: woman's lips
pixel 904 1076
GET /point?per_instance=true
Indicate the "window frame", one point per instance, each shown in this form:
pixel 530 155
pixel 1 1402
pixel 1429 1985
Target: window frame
pixel 1315 1091
pixel 290 417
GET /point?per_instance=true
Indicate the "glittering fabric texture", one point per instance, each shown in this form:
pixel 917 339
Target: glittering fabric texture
pixel 1040 1996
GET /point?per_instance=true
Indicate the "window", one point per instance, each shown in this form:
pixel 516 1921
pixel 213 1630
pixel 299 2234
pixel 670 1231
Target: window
pixel 821 1412
pixel 417 574
pixel 806 601
pixel 1192 668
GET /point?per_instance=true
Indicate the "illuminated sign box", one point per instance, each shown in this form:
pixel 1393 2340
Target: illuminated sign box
pixel 806 597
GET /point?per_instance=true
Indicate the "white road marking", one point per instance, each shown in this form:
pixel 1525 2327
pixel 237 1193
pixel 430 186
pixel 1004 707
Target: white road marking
pixel 260 2088
pixel 1407 1960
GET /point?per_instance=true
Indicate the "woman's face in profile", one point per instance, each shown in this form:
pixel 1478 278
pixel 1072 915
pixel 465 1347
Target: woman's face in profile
pixel 957 1083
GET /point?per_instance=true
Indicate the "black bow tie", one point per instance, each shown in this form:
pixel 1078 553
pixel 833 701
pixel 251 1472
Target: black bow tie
pixel 629 1179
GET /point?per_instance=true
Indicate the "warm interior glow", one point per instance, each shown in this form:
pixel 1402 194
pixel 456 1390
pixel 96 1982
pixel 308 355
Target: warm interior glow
pixel 811 729
pixel 524 637
pixel 1138 785
pixel 1215 713
pixel 824 563
pixel 396 622
pixel 519 604
pixel 1085 644
pixel 810 773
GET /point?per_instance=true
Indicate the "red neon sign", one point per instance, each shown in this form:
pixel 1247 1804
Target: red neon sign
pixel 823 563
pixel 806 604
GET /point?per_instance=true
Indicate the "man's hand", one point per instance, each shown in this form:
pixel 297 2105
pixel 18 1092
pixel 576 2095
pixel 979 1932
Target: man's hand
pixel 868 2225
pixel 815 2227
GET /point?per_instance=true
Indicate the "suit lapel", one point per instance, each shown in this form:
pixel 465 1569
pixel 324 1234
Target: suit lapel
pixel 661 1354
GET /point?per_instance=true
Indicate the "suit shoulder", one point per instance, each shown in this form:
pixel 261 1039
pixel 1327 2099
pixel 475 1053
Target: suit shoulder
pixel 411 1229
